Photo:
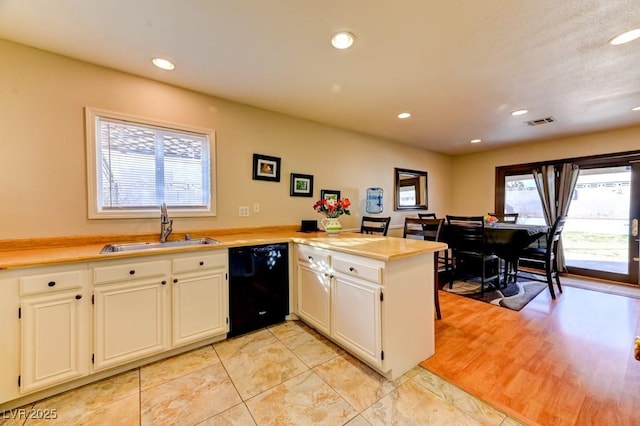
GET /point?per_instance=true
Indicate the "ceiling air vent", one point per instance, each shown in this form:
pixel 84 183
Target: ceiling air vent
pixel 540 121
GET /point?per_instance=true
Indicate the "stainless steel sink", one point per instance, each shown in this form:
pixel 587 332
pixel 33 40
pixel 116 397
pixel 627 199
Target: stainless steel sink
pixel 114 248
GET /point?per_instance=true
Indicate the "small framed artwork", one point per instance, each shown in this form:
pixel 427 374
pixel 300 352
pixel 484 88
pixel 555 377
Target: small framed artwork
pixel 301 185
pixel 329 194
pixel 266 168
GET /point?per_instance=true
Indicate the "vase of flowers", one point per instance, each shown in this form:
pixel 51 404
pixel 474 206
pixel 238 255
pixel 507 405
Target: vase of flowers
pixel 490 220
pixel 332 209
pixel 331 225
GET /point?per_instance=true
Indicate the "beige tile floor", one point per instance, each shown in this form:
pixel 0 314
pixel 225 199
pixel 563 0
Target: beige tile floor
pixel 282 375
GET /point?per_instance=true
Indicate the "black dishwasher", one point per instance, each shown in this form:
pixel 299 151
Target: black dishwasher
pixel 258 286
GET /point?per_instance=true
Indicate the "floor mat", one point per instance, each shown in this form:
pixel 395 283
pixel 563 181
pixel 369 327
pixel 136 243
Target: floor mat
pixel 515 296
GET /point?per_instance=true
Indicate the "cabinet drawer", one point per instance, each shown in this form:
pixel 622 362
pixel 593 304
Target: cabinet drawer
pixel 130 271
pixel 315 257
pixel 35 284
pixel 202 262
pixel 356 269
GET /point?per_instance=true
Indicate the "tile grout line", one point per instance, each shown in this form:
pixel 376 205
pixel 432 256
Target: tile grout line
pixel 470 395
pixel 311 370
pixel 452 402
pixel 338 355
pixel 242 399
pixel 395 386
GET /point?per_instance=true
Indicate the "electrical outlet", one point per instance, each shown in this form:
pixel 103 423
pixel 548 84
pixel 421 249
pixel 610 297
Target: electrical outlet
pixel 243 211
pixel 256 207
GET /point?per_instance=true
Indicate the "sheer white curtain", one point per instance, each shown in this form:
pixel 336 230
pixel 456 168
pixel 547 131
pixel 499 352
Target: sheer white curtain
pixel 555 186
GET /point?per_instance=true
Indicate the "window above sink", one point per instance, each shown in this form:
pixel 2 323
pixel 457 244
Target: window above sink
pixel 134 164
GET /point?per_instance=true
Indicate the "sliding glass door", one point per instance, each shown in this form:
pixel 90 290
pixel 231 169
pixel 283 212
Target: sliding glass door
pixel 521 196
pixel 596 237
pixel 600 237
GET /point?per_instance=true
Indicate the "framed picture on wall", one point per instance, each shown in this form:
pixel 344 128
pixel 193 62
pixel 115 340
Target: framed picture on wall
pixel 266 167
pixel 301 185
pixel 329 194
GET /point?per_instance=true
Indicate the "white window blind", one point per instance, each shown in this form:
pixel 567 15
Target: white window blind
pixel 138 166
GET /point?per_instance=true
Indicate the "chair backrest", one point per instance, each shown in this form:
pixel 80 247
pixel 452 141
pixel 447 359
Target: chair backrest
pixel 554 236
pixel 465 233
pixel 427 215
pixel 465 220
pixel 426 229
pixel 505 217
pixel 375 225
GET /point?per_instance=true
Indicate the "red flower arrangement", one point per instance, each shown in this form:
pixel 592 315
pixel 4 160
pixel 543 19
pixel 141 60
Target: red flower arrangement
pixel 333 207
pixel 490 219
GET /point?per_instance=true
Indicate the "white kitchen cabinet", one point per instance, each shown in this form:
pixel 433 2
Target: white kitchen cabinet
pixel 355 318
pixel 380 311
pixel 58 321
pixel 140 315
pixel 199 299
pixel 356 299
pixel 313 287
pixel 10 346
pixel 54 328
pixel 131 311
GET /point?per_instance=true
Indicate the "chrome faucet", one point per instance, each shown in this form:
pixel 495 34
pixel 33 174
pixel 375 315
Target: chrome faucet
pixel 165 230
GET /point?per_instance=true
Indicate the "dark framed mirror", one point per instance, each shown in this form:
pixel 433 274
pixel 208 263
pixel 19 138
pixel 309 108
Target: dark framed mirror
pixel 411 189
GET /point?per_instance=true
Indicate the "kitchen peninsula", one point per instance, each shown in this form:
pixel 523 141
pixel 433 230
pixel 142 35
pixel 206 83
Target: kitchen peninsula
pixel 371 295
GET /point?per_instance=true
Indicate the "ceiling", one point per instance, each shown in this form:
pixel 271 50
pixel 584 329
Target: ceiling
pixel 459 66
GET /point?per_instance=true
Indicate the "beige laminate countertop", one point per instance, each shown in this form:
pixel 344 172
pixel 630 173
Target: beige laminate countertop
pixel 28 253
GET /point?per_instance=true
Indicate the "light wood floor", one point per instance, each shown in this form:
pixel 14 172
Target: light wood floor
pixel 563 362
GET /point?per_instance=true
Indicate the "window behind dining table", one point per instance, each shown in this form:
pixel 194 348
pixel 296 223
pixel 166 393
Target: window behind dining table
pixel 515 189
pixel 596 239
pixel 521 196
pixel 516 192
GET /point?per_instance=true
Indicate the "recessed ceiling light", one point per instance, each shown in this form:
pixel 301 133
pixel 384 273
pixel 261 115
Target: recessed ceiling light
pixel 625 37
pixel 163 63
pixel 342 40
pixel 635 108
pixel 519 112
pixel 404 115
pixel 476 140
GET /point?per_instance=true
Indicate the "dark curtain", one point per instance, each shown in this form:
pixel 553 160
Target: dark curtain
pixel 555 186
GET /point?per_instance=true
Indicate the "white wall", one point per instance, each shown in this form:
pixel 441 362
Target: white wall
pixel 42 151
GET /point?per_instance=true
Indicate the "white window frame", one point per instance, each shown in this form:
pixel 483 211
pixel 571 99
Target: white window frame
pixel 94 209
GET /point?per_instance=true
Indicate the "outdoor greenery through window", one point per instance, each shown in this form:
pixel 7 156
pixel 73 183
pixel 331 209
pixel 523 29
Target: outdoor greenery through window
pixel 595 235
pixel 600 235
pixel 597 227
pixel 139 164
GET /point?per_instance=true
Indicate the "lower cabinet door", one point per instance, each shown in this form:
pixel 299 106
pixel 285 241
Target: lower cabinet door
pixel 356 318
pixel 313 298
pixel 131 321
pixel 54 339
pixel 199 307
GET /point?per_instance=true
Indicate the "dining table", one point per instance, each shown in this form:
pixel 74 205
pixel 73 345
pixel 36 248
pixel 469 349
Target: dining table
pixel 509 240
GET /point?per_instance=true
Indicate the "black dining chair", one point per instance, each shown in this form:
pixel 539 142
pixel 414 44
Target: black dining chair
pixel 471 257
pixel 427 215
pixel 431 230
pixel 445 257
pixel 509 268
pixel 545 258
pixel 505 217
pixel 375 225
pixel 423 229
